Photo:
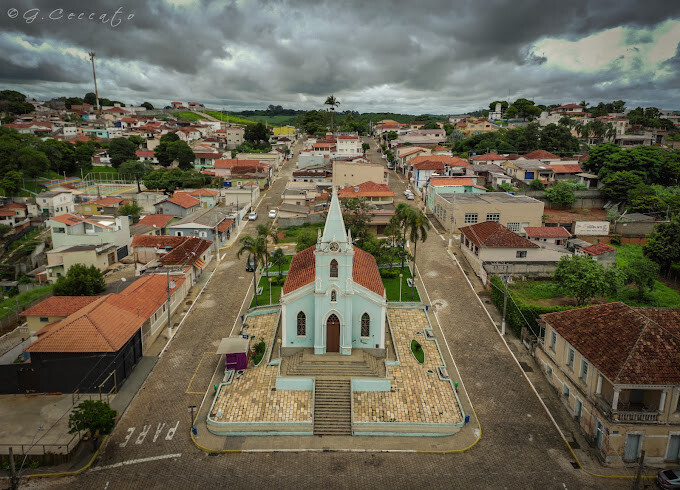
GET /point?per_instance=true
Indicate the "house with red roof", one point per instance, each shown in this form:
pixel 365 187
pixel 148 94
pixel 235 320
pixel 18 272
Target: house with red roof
pixel 489 158
pixel 617 368
pixel 568 110
pixel 106 205
pixel 208 197
pixel 52 310
pixel 333 300
pixel 600 252
pixel 380 200
pixel 542 155
pixel 180 204
pixel 148 156
pixel 152 224
pixel 69 229
pixel 350 173
pixel 555 235
pixel 424 167
pixel 490 248
pixel 566 171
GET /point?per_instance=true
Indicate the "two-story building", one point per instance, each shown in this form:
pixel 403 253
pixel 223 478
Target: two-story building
pixel 55 202
pixel 348 145
pixel 450 185
pixel 351 173
pixel 71 230
pixel 617 370
pixel 180 204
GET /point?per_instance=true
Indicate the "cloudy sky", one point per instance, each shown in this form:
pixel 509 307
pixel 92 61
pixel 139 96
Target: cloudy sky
pixel 425 56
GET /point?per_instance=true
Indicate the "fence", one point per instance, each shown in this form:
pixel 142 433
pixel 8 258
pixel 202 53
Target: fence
pixel 52 454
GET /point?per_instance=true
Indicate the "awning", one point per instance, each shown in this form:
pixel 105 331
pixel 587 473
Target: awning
pixel 231 345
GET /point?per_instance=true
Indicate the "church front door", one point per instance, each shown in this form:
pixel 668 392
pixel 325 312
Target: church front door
pixel 333 334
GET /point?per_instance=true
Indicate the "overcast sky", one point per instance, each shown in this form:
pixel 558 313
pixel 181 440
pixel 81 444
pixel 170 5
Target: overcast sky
pixel 425 56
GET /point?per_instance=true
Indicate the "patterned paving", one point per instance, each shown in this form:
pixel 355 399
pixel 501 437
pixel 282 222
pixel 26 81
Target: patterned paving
pixel 250 398
pixel 416 396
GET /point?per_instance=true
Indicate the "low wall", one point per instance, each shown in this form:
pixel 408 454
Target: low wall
pixel 637 229
pixel 311 219
pixel 535 270
pixel 584 199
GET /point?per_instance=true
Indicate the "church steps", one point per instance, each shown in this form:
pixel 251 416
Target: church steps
pixel 332 407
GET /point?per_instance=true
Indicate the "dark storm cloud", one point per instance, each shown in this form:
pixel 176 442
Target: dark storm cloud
pixel 438 53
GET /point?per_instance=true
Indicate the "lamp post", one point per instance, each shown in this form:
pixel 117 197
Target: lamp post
pixel 401 279
pixel 270 288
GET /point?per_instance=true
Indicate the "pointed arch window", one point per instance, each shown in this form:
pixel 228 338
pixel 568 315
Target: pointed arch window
pixel 365 325
pixel 334 268
pixel 334 296
pixel 301 324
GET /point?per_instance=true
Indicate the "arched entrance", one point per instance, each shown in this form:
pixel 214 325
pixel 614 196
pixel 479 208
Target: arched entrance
pixel 333 334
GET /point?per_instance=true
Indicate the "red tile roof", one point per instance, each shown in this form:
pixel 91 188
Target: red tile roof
pixel 444 181
pixel 159 220
pixel 445 159
pixel 157 241
pixel 547 232
pixel 566 168
pixel 540 155
pixel 207 154
pixel 98 327
pixel 493 234
pixel 6 212
pixel 628 345
pixel 59 306
pixel 366 189
pixel 184 200
pixel 108 201
pixel 14 205
pixel 204 192
pixel 70 219
pixel 488 156
pixel 303 269
pixel 187 252
pixel 225 225
pixel 598 249
pixel 145 153
pixel 231 163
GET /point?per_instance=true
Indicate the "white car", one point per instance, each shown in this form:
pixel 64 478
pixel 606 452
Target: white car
pixel 252 216
pixel 272 213
pixel 410 196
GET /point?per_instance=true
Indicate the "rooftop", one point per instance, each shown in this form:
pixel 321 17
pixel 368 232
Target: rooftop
pixel 157 220
pixel 493 234
pixel 59 306
pixel 547 232
pixel 366 189
pixel 628 345
pixel 489 198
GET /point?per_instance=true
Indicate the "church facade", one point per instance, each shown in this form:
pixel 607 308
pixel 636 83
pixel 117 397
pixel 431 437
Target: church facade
pixel 333 299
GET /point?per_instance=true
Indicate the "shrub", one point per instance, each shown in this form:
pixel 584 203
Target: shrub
pixel 388 274
pixel 418 352
pixel 615 240
pixel 258 352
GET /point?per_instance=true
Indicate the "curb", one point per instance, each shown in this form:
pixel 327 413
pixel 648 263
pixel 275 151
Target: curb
pixel 75 472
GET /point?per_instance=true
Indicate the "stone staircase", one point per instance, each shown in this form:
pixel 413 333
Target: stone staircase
pixel 335 366
pixel 332 407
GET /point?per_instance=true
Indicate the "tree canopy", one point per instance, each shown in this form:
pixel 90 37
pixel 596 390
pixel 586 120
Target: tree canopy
pixel 580 277
pixel 120 150
pixel 80 280
pixel 93 416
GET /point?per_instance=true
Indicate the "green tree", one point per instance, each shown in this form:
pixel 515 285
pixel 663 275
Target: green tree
pixel 11 183
pixel 93 416
pixel 130 209
pixel 537 185
pixel 278 259
pixel 618 184
pixel 561 194
pixel 60 154
pixel 83 155
pixel 431 125
pixel 257 134
pixel 418 226
pixel 580 277
pixel 305 239
pixel 136 139
pixel 256 248
pixel 90 98
pixel 32 162
pixel 183 153
pixel 332 103
pixel 356 215
pixel 643 273
pixel 399 220
pixel 80 280
pixel 662 245
pixel 365 147
pixel 265 231
pixel 147 105
pixel 135 169
pixel 120 150
pixel 392 135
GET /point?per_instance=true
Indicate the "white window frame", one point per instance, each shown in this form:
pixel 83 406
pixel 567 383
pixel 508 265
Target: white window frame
pixel 553 340
pixel 571 355
pixel 514 226
pixel 493 217
pixel 468 217
pixel 585 366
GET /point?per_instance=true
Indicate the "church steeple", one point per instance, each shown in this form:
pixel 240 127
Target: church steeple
pixel 334 230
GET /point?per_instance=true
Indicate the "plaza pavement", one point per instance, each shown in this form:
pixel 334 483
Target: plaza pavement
pixel 519 447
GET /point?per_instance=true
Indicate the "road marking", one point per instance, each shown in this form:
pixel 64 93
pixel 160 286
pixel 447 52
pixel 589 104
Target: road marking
pixel 194 375
pixel 137 461
pixel 142 434
pixel 145 431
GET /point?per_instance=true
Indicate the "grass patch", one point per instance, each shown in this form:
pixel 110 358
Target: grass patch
pixel 188 116
pixel 292 232
pixel 625 254
pixel 105 169
pixel 392 287
pixel 280 120
pixel 534 290
pixel 418 352
pixel 31 235
pixel 285 265
pixel 8 306
pixel 233 119
pixel 263 298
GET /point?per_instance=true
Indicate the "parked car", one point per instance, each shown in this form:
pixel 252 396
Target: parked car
pixel 252 216
pixel 410 196
pixel 272 213
pixel 250 264
pixel 668 478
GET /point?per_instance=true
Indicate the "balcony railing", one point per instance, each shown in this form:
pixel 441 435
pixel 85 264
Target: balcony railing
pixel 626 414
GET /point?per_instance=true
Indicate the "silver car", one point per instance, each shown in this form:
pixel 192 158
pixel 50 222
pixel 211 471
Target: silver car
pixel 668 478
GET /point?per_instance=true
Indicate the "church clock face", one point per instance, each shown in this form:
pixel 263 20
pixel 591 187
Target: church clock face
pixel 334 246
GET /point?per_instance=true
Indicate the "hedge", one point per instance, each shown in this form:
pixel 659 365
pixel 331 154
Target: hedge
pixel 513 316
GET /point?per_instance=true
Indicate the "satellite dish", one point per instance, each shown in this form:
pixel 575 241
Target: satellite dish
pixel 123 279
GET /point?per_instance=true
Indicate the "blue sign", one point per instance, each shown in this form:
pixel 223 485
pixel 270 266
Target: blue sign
pixel 227 183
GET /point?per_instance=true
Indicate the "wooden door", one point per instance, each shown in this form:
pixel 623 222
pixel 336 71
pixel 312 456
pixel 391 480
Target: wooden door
pixel 333 334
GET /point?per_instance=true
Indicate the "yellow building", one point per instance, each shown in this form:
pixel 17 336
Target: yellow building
pixel 617 369
pixel 285 131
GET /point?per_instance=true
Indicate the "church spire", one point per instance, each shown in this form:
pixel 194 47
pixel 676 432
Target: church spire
pixel 334 230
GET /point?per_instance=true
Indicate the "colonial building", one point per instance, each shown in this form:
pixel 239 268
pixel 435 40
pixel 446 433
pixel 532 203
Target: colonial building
pixel 333 299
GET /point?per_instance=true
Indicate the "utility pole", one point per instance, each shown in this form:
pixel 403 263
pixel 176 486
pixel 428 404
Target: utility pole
pixel 638 473
pixel 505 298
pixel 167 272
pixel 13 478
pixel 96 92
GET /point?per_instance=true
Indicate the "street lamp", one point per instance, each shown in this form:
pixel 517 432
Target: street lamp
pixel 401 279
pixel 270 288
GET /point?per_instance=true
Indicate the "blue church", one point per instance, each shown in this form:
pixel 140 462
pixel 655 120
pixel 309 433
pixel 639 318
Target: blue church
pixel 333 299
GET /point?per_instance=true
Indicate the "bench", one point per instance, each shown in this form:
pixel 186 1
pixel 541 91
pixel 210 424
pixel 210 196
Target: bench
pixel 443 372
pixel 409 282
pixel 258 291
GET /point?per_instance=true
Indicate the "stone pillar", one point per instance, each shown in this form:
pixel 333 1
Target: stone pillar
pixel 615 401
pixel 598 388
pixel 662 401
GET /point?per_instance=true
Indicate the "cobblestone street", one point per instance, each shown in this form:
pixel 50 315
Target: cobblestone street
pixel 519 448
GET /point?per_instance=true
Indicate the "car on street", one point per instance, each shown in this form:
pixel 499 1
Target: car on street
pixel 407 192
pixel 410 196
pixel 668 478
pixel 250 264
pixel 272 213
pixel 252 216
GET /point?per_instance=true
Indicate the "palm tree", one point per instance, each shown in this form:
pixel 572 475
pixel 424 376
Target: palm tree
pixel 278 258
pixel 265 231
pixel 610 132
pixel 401 216
pixel 333 103
pixel 578 127
pixel 256 248
pixel 417 225
pixel 565 121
